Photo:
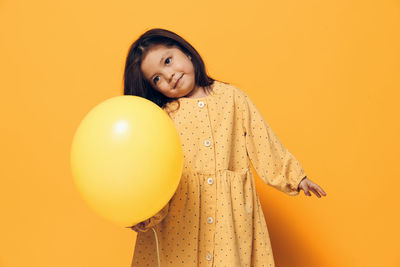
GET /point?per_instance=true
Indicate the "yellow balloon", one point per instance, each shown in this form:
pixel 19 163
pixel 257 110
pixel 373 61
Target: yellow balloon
pixel 127 159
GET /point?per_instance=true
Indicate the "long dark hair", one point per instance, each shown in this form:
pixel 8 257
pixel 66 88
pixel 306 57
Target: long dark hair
pixel 134 81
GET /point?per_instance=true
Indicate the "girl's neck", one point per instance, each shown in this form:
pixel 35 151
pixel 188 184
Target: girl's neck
pixel 198 92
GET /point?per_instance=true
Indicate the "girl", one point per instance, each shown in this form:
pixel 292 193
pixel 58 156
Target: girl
pixel 215 217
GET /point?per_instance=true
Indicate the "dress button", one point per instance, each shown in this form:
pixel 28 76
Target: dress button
pixel 200 104
pixel 208 256
pixel 210 180
pixel 210 220
pixel 207 142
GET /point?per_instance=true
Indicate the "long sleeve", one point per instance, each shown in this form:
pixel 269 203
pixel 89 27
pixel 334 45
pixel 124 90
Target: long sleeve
pixel 274 164
pixel 156 219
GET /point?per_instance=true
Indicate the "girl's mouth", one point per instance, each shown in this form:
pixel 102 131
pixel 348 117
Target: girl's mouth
pixel 178 81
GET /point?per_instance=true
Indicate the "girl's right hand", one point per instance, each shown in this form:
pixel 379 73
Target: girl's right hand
pixel 140 226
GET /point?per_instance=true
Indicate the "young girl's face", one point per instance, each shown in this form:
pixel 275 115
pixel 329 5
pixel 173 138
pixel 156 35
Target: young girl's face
pixel 169 71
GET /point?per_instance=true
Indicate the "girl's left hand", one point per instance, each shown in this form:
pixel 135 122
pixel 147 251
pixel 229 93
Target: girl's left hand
pixel 307 186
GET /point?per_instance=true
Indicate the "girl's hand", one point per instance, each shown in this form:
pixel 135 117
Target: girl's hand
pixel 307 186
pixel 140 226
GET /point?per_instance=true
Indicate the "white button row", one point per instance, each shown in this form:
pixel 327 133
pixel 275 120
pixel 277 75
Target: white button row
pixel 200 104
pixel 210 180
pixel 208 256
pixel 210 220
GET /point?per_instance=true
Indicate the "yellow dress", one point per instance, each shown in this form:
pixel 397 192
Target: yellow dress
pixel 215 217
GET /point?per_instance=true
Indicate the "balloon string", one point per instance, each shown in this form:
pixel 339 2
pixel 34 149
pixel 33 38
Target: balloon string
pixel 158 253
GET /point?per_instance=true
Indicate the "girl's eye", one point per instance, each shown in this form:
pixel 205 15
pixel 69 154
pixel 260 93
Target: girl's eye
pixel 154 80
pixel 167 59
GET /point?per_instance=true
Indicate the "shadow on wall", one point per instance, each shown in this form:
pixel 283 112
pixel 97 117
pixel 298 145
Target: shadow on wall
pixel 287 246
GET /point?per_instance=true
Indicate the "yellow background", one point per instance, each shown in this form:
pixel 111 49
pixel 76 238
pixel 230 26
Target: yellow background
pixel 325 74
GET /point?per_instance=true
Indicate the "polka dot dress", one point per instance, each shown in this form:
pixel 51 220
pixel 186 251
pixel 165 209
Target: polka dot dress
pixel 215 217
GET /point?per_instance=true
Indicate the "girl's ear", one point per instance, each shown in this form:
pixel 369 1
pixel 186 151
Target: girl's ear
pixel 189 57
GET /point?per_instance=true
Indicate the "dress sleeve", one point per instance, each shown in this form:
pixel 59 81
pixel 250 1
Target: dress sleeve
pixel 274 164
pixel 156 219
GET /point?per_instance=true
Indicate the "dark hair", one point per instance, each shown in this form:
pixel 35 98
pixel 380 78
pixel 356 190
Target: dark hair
pixel 134 81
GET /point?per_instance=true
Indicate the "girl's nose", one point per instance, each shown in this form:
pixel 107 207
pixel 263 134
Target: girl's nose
pixel 171 77
pixel 168 74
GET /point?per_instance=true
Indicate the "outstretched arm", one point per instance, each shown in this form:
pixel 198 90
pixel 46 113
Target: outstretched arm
pixel 274 164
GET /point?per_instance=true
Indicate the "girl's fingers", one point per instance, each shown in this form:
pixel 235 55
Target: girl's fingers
pixel 320 190
pixel 315 192
pixel 317 189
pixel 138 227
pixel 134 229
pixel 305 189
pixel 310 186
